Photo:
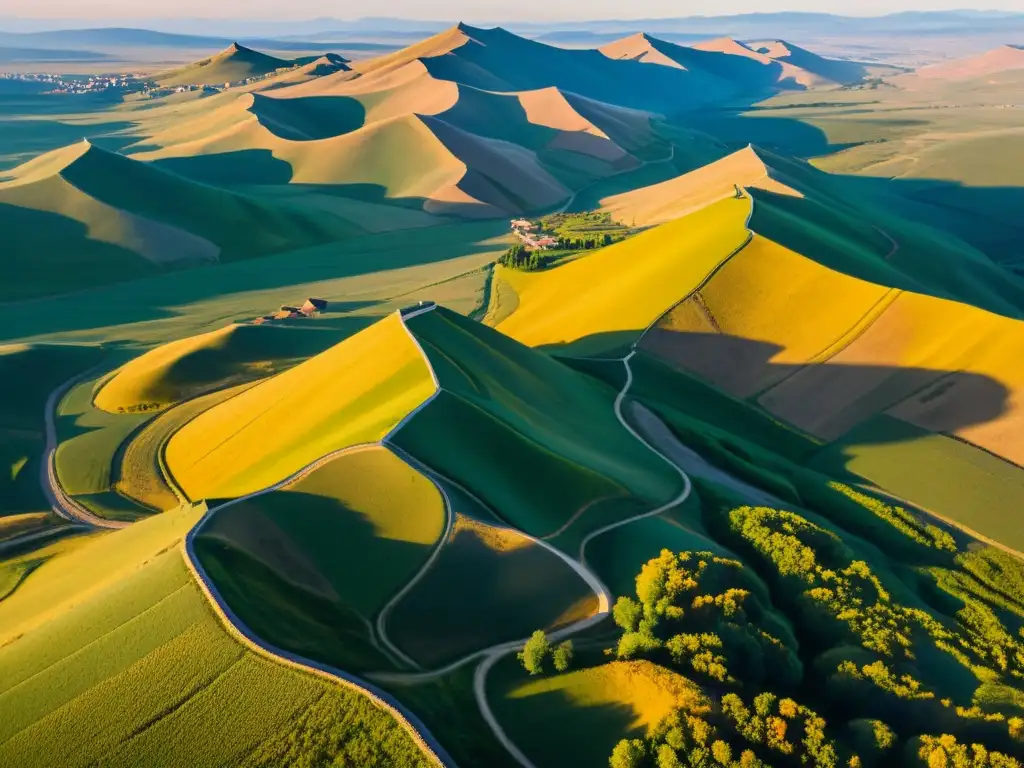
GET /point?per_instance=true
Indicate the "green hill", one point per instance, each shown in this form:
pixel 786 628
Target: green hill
pixel 89 217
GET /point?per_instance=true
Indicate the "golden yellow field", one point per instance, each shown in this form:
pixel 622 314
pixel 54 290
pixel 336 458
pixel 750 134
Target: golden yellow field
pixel 353 393
pixel 944 366
pixel 748 326
pixel 577 309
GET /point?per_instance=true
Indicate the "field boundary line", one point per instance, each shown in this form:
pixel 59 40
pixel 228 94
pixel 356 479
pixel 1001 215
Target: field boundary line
pixel 864 324
pixel 247 638
pixel 710 275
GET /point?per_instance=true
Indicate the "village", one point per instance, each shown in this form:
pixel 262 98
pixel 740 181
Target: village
pixel 71 84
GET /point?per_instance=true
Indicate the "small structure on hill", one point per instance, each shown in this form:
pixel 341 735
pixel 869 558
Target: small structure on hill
pixel 523 224
pixel 313 306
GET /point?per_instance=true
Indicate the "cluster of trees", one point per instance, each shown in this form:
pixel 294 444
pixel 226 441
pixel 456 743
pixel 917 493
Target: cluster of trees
pixel 868 650
pixel 538 650
pixel 698 612
pixel 768 731
pixel 584 243
pixel 139 408
pixel 518 257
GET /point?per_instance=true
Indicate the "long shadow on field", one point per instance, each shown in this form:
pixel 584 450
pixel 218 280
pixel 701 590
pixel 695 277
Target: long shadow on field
pixel 301 569
pixel 826 400
pixel 246 166
pixel 309 118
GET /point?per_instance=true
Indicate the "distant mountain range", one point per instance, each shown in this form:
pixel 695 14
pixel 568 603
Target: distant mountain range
pixel 739 25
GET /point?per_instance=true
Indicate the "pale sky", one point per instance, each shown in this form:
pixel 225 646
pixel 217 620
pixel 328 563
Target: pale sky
pixel 479 10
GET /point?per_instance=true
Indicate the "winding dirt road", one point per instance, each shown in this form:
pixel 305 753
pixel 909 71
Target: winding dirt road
pixel 60 502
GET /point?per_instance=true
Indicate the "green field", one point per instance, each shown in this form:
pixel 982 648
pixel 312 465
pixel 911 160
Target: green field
pixel 135 669
pixel 142 473
pixel 27 376
pixel 277 557
pixel 536 416
pixel 963 484
pixel 90 442
pixel 517 587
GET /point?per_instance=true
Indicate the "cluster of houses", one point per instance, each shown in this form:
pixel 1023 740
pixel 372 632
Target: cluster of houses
pixel 532 237
pixel 80 84
pixel 310 308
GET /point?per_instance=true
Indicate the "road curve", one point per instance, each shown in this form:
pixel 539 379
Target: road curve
pixel 60 502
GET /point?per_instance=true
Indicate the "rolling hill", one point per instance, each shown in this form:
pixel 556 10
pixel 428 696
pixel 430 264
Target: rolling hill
pixel 114 219
pixel 233 64
pixel 731 68
pixel 730 473
pixel 1004 59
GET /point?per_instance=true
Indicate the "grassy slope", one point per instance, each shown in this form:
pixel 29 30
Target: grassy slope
pixel 141 473
pixel 577 310
pixel 89 441
pixel 115 219
pixel 353 393
pixel 215 360
pixel 576 718
pixel 27 376
pixel 517 586
pixel 948 477
pixel 243 226
pixel 364 278
pixel 537 418
pixel 111 654
pixel 331 549
pixel 747 327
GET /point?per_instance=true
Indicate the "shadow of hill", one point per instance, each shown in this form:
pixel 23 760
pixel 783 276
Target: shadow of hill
pixel 986 218
pixel 170 295
pixel 845 396
pixel 309 118
pixel 50 253
pixel 244 166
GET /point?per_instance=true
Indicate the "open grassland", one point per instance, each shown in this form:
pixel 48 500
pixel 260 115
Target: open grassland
pixel 575 310
pixel 363 279
pixel 126 664
pixel 320 558
pixel 28 373
pixel 89 444
pixel 576 718
pixel 538 442
pixel 516 587
pixel 194 366
pixel 353 393
pixel 141 472
pixel 963 484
